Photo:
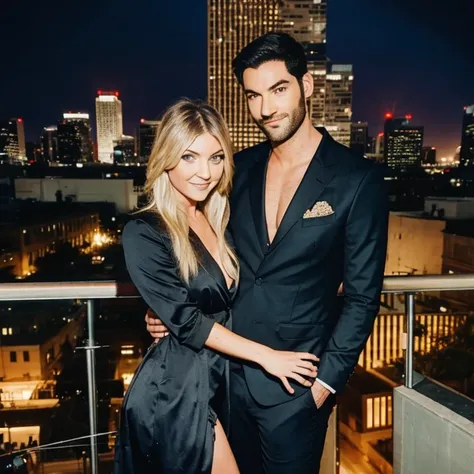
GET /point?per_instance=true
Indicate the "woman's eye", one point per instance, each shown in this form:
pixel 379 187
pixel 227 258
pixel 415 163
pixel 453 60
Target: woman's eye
pixel 217 158
pixel 187 157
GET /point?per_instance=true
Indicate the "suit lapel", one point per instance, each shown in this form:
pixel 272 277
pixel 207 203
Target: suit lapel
pixel 257 175
pixel 319 174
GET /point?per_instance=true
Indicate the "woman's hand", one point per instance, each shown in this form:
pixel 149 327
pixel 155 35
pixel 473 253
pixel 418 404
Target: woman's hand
pixel 298 366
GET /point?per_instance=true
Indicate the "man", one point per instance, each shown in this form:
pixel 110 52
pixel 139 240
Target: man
pixel 307 214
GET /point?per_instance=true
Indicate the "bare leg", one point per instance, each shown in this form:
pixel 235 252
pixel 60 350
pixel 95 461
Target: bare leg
pixel 223 461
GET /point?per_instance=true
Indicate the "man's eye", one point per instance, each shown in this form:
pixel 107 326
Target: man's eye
pixel 280 90
pixel 251 96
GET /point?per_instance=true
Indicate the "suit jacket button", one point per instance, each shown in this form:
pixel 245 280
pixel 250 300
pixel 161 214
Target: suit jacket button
pixel 258 281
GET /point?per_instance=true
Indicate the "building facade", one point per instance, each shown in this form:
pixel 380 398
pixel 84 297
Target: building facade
pixel 231 25
pixel 146 138
pixel 109 119
pixel 12 139
pixel 467 139
pixel 121 192
pixel 23 244
pixel 403 143
pixel 74 139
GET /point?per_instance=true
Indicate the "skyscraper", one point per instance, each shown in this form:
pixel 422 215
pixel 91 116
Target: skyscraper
pixel 74 138
pixel 402 143
pixel 231 25
pixel 360 137
pixel 109 123
pixel 12 139
pixel 146 137
pixel 49 144
pixel 466 157
pixel 125 150
pixel 428 155
pixel 338 104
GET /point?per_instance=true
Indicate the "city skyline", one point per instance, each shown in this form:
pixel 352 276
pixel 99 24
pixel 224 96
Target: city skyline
pixel 368 36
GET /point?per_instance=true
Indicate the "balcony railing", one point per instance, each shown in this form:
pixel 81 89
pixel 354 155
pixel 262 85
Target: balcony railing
pixel 409 286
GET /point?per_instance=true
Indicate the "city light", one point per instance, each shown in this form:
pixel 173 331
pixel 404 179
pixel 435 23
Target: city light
pixel 100 240
pixel 388 115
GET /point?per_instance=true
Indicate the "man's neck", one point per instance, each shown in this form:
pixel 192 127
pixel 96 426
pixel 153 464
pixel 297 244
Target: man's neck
pixel 300 148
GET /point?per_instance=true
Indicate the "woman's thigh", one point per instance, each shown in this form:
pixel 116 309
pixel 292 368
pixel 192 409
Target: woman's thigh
pixel 223 461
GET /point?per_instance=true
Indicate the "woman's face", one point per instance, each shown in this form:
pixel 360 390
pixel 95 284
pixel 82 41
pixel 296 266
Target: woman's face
pixel 199 170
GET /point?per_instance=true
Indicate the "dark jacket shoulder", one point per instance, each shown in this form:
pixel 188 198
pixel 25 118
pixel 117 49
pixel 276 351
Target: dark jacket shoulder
pixel 245 158
pixel 148 222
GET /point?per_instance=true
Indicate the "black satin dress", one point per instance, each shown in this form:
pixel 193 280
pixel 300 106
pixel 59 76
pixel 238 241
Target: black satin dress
pixel 170 408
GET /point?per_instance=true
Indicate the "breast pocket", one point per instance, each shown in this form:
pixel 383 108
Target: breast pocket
pixel 324 220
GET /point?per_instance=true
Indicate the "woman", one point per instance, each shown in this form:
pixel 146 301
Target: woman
pixel 180 258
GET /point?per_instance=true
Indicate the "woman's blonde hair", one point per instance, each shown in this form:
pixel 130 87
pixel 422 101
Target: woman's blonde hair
pixel 181 124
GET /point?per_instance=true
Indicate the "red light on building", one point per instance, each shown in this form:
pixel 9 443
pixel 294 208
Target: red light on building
pixel 447 170
pixel 433 148
pixel 142 120
pixel 99 92
pixel 388 115
pixel 380 134
pixel 408 116
pixel 116 94
pixel 20 120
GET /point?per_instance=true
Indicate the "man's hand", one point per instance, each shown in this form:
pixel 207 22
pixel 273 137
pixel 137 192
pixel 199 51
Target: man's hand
pixel 319 393
pixel 155 326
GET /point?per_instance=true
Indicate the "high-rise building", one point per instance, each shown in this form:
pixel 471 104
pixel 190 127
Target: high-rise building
pixel 306 21
pixel 109 123
pixel 360 137
pixel 12 139
pixel 403 143
pixel 379 144
pixel 49 144
pixel 33 152
pixel 146 137
pixel 466 157
pixel 231 25
pixel 74 138
pixel 428 155
pixel 124 150
pixel 338 107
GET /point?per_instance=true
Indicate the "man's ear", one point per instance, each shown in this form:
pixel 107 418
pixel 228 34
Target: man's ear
pixel 308 85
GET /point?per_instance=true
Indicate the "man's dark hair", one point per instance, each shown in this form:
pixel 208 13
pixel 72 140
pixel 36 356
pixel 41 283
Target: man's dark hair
pixel 271 47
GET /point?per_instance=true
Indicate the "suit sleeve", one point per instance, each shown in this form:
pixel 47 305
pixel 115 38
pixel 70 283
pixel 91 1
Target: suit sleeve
pixel 153 270
pixel 365 247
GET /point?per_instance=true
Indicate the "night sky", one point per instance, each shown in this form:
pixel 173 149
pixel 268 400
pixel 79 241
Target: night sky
pixel 55 55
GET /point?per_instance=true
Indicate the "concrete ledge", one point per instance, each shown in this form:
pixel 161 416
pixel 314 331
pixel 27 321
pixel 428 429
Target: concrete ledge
pixel 429 437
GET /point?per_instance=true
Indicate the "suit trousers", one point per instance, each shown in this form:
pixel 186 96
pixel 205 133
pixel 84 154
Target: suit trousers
pixel 281 439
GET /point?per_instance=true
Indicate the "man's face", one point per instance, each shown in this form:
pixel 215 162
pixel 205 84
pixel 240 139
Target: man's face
pixel 276 100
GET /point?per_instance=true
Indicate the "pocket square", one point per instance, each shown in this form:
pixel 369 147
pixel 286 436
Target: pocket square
pixel 320 209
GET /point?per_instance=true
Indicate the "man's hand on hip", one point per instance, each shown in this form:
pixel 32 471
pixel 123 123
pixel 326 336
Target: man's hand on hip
pixel 155 326
pixel 319 393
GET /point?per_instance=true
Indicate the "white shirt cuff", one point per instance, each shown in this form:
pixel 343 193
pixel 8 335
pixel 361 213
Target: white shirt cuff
pixel 325 385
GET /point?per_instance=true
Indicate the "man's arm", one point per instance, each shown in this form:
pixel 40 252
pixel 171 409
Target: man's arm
pixel 365 248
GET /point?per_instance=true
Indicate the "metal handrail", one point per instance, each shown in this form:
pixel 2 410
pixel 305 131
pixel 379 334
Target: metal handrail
pixel 112 289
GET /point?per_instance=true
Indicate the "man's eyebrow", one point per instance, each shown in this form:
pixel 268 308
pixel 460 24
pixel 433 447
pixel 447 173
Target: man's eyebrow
pixel 274 86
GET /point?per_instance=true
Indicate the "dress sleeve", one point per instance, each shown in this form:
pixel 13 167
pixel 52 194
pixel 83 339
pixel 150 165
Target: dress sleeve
pixel 153 270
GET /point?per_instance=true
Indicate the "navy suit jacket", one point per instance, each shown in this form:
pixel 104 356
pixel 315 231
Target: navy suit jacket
pixel 287 297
